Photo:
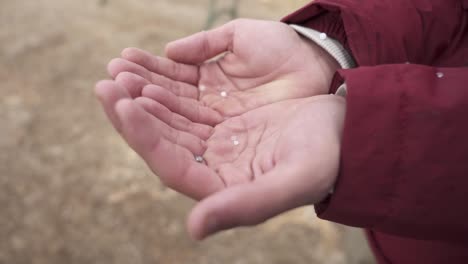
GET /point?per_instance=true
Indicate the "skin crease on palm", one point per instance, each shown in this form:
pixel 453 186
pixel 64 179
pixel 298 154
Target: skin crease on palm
pixel 288 143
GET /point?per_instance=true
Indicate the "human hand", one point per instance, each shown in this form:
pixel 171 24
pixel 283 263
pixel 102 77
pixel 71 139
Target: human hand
pixel 256 165
pixel 263 62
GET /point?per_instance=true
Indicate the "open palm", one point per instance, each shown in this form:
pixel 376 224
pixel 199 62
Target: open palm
pixel 256 165
pixel 258 63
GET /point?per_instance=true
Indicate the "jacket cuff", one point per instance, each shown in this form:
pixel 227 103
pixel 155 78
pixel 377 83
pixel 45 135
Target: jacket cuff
pixel 323 18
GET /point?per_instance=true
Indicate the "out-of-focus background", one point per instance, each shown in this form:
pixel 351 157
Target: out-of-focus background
pixel 70 190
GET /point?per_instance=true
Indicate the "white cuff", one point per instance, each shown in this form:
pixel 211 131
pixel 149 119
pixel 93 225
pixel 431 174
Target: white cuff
pixel 332 46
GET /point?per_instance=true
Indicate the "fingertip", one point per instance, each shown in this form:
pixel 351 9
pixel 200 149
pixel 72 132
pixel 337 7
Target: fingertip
pixel 104 83
pixel 101 84
pixel 101 88
pixel 122 76
pixel 108 93
pixel 146 104
pixel 196 224
pixel 130 79
pixel 128 52
pixel 136 55
pixel 147 88
pixel 152 91
pixel 113 67
pixel 168 49
pixel 193 228
pixel 122 107
pixel 142 101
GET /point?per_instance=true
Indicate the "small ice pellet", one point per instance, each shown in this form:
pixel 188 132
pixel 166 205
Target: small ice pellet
pixel 323 36
pixel 199 159
pixel 202 88
pixel 440 74
pixel 223 93
pixel 236 142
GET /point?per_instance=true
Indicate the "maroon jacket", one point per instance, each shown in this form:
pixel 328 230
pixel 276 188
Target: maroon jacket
pixel 404 162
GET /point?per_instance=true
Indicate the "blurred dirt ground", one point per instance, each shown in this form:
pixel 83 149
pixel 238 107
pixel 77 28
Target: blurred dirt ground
pixel 70 190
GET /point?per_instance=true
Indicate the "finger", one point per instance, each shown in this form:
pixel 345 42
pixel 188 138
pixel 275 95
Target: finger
pixel 189 108
pixel 202 46
pixel 172 163
pixel 133 128
pixel 250 203
pixel 117 66
pixel 132 82
pixel 108 92
pixel 160 65
pixel 174 120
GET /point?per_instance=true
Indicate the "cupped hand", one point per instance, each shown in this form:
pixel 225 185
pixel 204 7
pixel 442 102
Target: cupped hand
pixel 255 165
pixel 258 63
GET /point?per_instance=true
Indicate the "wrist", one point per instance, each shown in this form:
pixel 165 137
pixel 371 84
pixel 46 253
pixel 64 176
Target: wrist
pixel 330 52
pixel 323 67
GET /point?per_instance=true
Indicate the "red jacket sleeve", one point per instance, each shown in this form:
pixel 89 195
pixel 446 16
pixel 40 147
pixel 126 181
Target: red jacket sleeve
pixel 404 161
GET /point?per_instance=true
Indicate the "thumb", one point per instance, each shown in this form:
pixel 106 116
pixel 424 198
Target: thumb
pixel 202 46
pixel 251 203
